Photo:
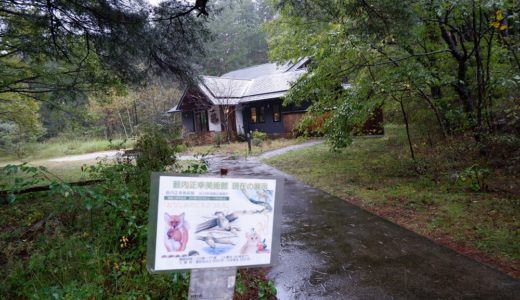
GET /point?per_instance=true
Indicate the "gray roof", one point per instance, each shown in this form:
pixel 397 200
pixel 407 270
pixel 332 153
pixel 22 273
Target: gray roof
pixel 261 82
pixel 224 88
pixel 257 71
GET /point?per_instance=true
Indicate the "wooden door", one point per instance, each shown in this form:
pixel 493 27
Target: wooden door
pixel 290 120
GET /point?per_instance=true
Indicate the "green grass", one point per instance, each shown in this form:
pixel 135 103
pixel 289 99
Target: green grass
pixel 68 171
pixel 71 171
pixel 38 154
pixel 379 175
pixel 62 147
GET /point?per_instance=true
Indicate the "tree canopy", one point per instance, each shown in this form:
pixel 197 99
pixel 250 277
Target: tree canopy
pixel 61 52
pixel 64 45
pixel 237 37
pixel 453 62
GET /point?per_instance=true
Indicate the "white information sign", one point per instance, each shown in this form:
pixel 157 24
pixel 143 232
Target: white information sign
pixel 211 222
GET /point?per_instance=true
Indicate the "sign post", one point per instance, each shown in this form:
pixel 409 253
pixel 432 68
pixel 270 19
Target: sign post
pixel 213 283
pixel 212 226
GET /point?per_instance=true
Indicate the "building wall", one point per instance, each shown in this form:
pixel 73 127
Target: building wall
pixel 290 120
pixel 214 120
pixel 239 119
pixel 291 108
pixel 187 121
pixel 269 125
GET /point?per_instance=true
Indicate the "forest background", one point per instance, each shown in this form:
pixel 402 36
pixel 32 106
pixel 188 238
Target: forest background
pixel 93 100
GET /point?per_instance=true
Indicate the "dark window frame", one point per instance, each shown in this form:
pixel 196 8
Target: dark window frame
pixel 261 114
pixel 251 120
pixel 279 113
pixel 198 125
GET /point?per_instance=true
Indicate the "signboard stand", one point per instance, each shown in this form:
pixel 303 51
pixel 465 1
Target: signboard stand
pixel 211 226
pixel 212 283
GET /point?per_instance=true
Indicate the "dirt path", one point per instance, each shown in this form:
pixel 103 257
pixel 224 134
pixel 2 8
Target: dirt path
pixel 88 156
pixel 276 152
pixel 331 249
pixel 114 153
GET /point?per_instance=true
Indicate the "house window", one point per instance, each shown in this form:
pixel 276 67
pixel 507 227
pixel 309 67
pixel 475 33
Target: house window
pixel 261 115
pixel 253 115
pixel 201 121
pixel 276 113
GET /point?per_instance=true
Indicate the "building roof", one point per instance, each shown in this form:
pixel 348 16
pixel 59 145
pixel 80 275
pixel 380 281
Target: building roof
pixel 261 82
pixel 257 71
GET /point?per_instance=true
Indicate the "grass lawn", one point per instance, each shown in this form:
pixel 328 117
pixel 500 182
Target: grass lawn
pixel 67 171
pixel 62 147
pixel 378 175
pixel 71 171
pixel 240 148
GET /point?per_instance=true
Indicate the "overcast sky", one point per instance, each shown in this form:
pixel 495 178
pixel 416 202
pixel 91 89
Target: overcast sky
pixel 154 2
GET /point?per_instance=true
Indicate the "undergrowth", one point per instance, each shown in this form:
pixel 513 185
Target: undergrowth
pixel 76 242
pixel 87 242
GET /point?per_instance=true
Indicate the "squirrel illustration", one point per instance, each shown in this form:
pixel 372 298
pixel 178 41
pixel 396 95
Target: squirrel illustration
pixel 176 232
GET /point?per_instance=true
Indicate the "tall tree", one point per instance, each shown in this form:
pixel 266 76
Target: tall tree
pixel 70 45
pixel 238 40
pixel 59 52
pixel 448 58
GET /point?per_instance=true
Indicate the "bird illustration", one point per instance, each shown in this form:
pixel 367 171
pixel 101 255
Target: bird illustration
pixel 208 240
pixel 212 240
pixel 220 222
pixel 261 194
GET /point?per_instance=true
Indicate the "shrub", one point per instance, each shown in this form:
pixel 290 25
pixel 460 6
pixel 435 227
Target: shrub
pixel 217 139
pixel 259 135
pixel 15 138
pixel 199 166
pixel 312 124
pixel 153 151
pixel 474 178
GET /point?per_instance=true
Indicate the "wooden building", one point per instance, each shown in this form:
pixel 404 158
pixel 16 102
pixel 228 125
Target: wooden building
pixel 241 101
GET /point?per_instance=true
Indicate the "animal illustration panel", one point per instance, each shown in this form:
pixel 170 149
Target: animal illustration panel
pixel 212 222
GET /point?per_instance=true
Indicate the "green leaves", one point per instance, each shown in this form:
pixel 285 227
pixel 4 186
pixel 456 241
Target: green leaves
pixel 59 52
pixel 390 52
pixel 23 176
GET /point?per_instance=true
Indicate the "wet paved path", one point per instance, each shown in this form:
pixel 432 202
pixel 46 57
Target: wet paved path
pixel 334 250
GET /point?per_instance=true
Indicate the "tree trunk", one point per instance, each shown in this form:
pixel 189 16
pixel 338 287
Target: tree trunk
pixel 462 58
pixel 130 122
pixel 122 124
pixel 435 111
pixel 480 67
pixel 405 117
pixel 136 119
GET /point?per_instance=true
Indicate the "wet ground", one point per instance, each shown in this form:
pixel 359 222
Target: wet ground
pixel 331 249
